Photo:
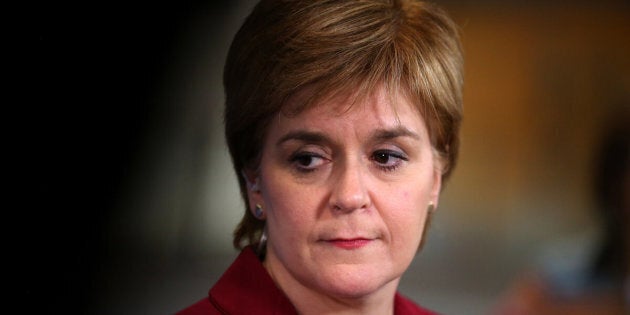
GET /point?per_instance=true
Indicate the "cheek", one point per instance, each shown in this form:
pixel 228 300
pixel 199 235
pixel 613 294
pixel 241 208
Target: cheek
pixel 400 205
pixel 411 198
pixel 290 208
pixel 406 213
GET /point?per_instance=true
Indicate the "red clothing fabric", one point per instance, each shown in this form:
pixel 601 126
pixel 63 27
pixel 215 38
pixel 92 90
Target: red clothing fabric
pixel 247 288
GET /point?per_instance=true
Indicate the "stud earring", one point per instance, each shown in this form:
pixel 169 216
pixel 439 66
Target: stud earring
pixel 258 211
pixel 431 207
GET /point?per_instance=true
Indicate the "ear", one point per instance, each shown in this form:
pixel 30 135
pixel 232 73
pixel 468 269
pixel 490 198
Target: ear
pixel 252 181
pixel 436 187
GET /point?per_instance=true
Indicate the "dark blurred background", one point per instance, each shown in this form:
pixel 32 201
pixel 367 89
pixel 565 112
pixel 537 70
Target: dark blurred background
pixel 130 188
pixel 110 92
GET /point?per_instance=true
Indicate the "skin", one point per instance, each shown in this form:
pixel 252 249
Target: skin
pixel 345 194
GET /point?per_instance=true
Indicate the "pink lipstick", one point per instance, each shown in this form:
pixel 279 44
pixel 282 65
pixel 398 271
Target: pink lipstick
pixel 350 243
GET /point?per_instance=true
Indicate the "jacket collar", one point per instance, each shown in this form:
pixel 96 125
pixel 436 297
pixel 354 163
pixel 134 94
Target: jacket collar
pixel 246 287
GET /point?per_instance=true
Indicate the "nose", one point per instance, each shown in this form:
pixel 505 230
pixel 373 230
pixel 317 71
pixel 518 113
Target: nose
pixel 349 191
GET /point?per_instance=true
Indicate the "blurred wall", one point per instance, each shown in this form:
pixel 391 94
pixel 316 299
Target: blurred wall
pixel 542 80
pixel 182 197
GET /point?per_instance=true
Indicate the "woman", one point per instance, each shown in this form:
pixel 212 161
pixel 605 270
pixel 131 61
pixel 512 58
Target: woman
pixel 342 122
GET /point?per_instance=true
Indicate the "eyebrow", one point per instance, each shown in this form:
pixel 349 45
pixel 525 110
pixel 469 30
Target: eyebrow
pixel 378 135
pixel 305 136
pixel 397 132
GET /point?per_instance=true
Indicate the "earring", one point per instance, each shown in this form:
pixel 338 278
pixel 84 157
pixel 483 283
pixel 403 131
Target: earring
pixel 258 211
pixel 431 207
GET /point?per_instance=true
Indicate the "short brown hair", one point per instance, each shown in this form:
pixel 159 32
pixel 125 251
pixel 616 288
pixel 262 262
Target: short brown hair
pixel 336 47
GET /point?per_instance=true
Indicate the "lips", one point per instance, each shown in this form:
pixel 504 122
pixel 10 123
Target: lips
pixel 349 244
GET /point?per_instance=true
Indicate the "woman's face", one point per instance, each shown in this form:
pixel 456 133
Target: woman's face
pixel 345 194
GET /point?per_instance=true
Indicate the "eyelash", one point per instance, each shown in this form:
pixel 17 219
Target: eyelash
pixel 400 157
pixel 388 154
pixel 296 157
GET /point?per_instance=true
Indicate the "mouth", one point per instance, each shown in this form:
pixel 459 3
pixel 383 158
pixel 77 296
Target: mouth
pixel 349 244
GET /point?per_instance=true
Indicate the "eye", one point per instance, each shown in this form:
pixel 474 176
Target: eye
pixel 307 161
pixel 388 159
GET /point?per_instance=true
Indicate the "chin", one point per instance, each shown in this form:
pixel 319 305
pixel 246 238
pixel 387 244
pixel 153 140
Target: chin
pixel 353 282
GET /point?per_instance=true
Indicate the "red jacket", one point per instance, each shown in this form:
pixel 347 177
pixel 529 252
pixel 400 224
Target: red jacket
pixel 247 288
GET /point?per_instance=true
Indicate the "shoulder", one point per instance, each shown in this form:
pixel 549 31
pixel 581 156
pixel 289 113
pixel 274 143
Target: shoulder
pixel 404 306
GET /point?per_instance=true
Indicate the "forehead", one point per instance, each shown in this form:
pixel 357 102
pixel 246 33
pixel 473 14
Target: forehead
pixel 380 108
pixel 379 101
